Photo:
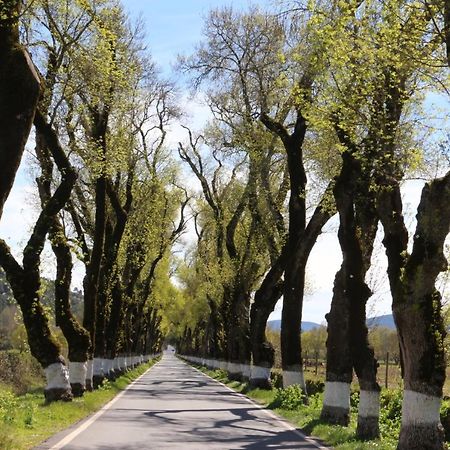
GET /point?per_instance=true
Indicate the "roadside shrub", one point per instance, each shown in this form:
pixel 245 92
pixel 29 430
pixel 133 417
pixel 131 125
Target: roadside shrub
pixel 391 411
pixel 289 398
pixel 20 371
pixel 277 379
pixel 445 418
pixel 8 406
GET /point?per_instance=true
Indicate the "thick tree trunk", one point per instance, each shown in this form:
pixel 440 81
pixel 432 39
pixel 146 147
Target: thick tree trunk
pixel 291 319
pixel 363 355
pixel 25 281
pixel 19 94
pixel 339 369
pixel 347 343
pixel 92 278
pixel 417 307
pixel 266 297
pixel 77 337
pixel 25 286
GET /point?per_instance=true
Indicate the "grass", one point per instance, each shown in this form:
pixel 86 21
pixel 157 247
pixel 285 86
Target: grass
pixel 27 420
pixel 307 418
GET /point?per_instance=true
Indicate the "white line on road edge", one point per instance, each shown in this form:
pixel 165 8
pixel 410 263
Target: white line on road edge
pixel 71 436
pixel 273 416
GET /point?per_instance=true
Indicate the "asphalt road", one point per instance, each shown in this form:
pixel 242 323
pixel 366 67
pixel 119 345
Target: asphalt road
pixel 174 406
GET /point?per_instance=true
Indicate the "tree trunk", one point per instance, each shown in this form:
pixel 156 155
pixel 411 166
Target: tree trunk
pixel 266 297
pixel 25 281
pixel 347 343
pixel 19 93
pixel 336 403
pixel 417 306
pixel 291 319
pixel 92 278
pixel 77 337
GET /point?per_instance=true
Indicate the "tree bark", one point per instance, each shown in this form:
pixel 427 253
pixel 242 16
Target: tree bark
pixel 77 337
pixel 25 281
pixel 266 297
pixel 20 87
pixel 417 306
pixel 92 278
pixel 347 342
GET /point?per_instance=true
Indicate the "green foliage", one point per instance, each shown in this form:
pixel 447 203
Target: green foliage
pixel 19 371
pixel 289 398
pixel 445 418
pixel 8 406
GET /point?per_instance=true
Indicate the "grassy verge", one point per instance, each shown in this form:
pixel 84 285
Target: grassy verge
pixel 287 403
pixel 27 420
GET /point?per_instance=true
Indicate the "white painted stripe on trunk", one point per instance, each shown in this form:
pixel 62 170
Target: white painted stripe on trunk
pixel 109 365
pixel 70 437
pixel 286 425
pixel 420 409
pixel 291 377
pixel 90 370
pixel 77 372
pixel 57 376
pixel 260 373
pixel 233 367
pixel 337 394
pixel 98 367
pixel 246 370
pixel 369 404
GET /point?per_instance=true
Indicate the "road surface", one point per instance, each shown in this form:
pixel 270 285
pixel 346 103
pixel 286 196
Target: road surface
pixel 174 406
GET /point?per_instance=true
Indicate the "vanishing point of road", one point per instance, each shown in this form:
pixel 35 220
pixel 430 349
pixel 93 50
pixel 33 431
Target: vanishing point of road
pixel 174 406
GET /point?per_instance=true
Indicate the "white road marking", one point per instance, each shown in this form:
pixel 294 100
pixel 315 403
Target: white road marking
pixel 272 415
pixel 71 436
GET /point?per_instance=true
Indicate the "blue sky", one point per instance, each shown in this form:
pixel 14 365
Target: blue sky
pixel 175 26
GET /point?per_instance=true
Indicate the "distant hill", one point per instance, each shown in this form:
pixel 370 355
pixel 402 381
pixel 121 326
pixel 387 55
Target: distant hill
pixel 275 325
pixel 379 321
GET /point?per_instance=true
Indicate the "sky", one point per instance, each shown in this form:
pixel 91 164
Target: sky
pixel 174 27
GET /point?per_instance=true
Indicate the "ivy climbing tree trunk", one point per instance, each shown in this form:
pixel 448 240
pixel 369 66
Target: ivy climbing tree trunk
pixel 19 94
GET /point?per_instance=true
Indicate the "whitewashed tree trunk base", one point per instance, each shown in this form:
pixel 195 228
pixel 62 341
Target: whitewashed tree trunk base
pixel 98 375
pixel 110 372
pixel 58 386
pixel 246 371
pixel 89 375
pixel 77 377
pixel 421 427
pixel 368 415
pixel 336 403
pixel 234 371
pixel 295 376
pixel 260 377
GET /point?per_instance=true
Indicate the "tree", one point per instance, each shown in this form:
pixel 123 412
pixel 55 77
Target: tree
pixel 25 279
pixel 273 92
pixel 20 87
